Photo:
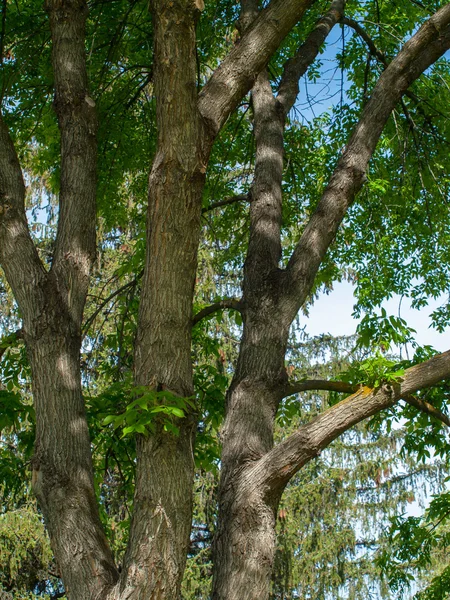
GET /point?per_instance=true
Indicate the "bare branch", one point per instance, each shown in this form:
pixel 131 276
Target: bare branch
pixel 421 51
pixel 238 71
pixel 427 408
pixel 75 109
pixel 319 384
pixel 226 202
pixel 297 66
pixel 276 468
pixel 209 310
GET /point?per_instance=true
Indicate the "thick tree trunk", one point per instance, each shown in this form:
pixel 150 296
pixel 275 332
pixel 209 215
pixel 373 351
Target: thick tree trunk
pixel 159 536
pixel 62 465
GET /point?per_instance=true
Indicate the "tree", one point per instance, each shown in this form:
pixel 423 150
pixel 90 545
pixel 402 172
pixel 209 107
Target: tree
pixel 51 297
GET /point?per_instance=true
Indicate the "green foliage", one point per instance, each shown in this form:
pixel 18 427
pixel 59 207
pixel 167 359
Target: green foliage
pixel 140 414
pixel 413 545
pixel 374 371
pixel 25 554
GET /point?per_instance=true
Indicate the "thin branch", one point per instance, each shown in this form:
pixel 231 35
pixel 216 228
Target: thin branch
pixel 367 39
pixel 209 310
pixel 319 384
pixel 102 305
pixel 226 202
pixel 427 408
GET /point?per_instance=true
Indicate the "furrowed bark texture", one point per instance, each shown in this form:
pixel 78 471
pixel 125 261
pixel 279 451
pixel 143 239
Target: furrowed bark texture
pixel 51 304
pixel 245 540
pixel 63 474
pixel 161 523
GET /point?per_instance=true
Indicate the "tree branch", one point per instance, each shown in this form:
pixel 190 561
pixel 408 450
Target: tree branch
pixel 75 109
pixel 276 468
pixel 421 51
pixel 238 71
pixel 18 255
pixel 225 202
pixel 427 408
pixel 366 38
pixel 319 384
pixel 209 310
pixel 343 387
pixel 297 66
pixel 104 302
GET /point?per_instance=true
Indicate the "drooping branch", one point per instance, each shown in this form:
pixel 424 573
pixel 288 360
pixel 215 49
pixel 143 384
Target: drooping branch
pixel 232 303
pixel 18 255
pixel 75 109
pixel 297 66
pixel 366 38
pixel 238 71
pixel 420 52
pixel 427 408
pixel 276 468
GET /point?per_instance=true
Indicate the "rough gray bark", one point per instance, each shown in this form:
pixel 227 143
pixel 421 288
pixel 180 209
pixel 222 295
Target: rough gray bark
pixel 159 535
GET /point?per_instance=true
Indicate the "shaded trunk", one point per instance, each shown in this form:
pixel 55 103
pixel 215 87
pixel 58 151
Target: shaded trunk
pixel 62 465
pixel 244 544
pixel 159 536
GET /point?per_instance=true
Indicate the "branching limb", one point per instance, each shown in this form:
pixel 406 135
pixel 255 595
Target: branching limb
pixel 209 310
pixel 238 71
pixel 421 51
pixel 18 255
pixel 75 109
pixel 276 468
pixel 297 66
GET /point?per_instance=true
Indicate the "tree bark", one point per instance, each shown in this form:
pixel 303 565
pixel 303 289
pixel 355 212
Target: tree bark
pixel 161 523
pixel 51 305
pixel 248 496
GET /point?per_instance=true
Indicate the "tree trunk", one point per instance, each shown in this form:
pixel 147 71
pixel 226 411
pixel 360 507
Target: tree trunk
pixel 159 536
pixel 62 465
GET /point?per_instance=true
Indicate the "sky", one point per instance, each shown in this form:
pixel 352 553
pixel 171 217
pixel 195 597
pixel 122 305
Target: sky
pixel 332 314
